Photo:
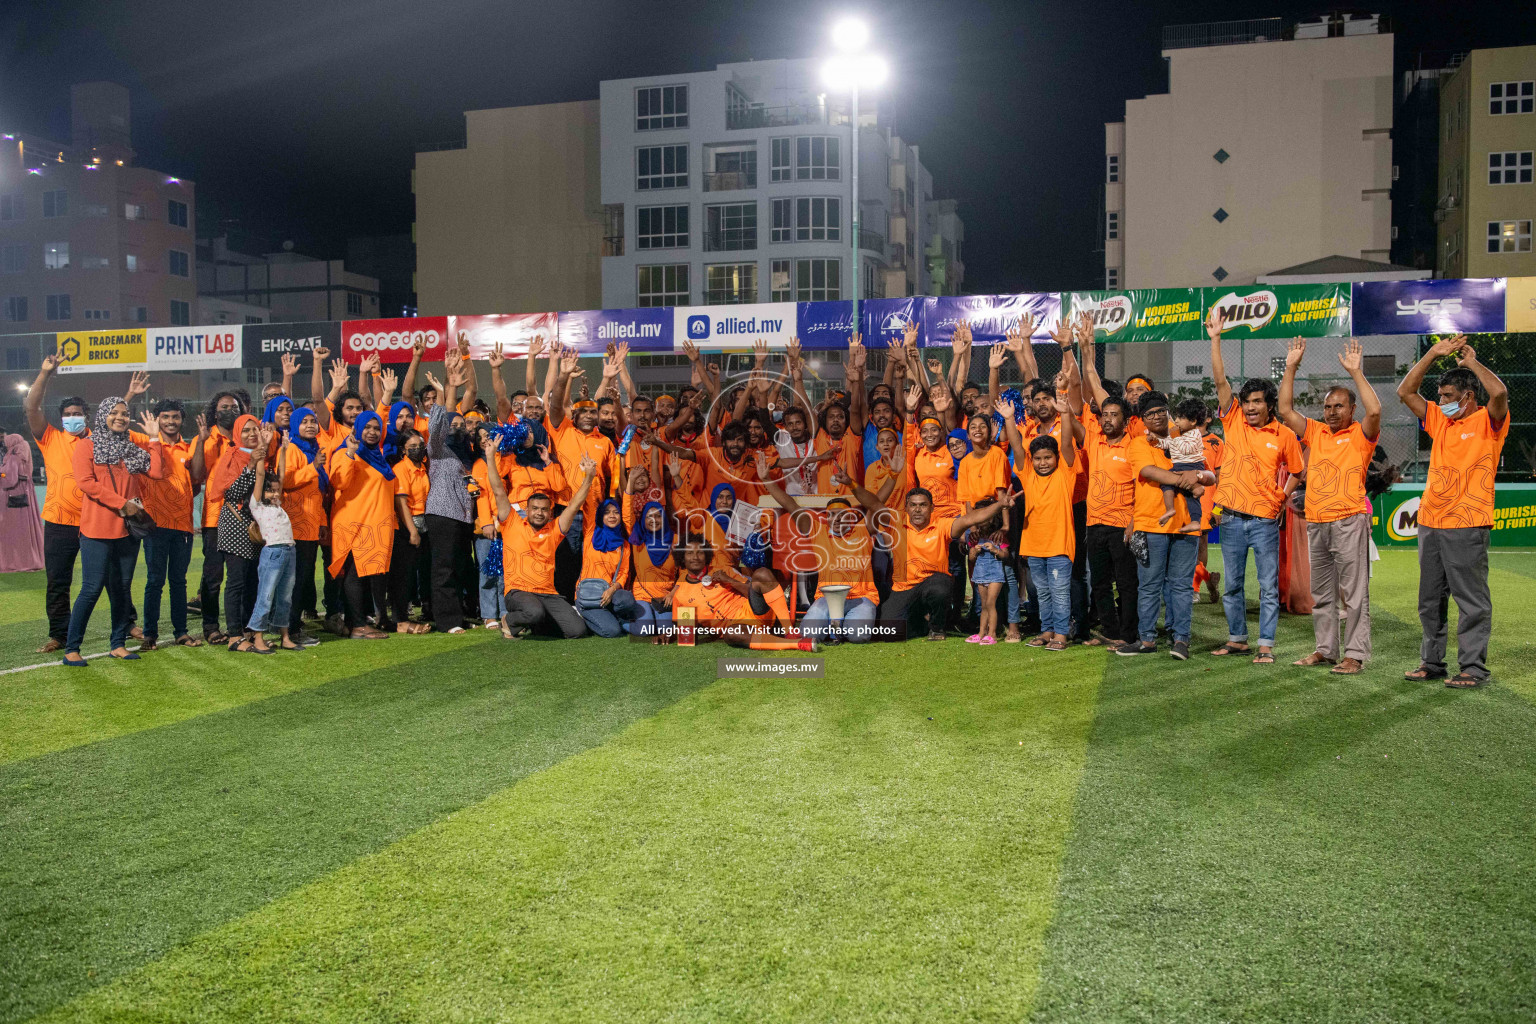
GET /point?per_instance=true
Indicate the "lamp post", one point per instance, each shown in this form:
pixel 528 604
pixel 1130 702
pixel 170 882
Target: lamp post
pixel 849 71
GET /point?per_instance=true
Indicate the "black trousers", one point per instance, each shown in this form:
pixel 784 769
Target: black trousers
pixel 305 552
pixel 544 613
pixel 450 539
pixel 240 582
pixel 1112 564
pixel 363 595
pixel 213 578
pixel 335 603
pixel 403 560
pixel 923 609
pixel 61 547
pixel 1084 614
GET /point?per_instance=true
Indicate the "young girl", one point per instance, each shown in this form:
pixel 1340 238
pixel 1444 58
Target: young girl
pixel 988 547
pixel 1185 448
pixel 278 563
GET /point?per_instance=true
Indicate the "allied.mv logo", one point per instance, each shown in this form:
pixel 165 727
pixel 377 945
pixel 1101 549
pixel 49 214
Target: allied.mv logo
pixel 698 326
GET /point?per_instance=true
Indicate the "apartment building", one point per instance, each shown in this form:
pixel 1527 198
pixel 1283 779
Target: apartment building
pixel 288 286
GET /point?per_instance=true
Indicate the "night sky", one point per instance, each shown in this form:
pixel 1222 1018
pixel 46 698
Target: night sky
pixel 299 120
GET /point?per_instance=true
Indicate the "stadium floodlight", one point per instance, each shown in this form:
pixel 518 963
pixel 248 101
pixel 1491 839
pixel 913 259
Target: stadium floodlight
pixel 850 71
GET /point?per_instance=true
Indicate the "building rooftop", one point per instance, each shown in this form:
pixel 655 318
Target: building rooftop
pixel 1270 30
pixel 1338 265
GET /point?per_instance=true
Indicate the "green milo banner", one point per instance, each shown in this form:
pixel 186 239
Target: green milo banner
pixel 1142 314
pixel 1395 516
pixel 1282 311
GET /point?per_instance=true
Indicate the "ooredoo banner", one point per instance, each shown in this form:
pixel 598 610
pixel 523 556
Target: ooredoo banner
pixel 100 351
pixel 514 332
pixel 1142 314
pixel 215 347
pixel 266 344
pixel 1447 306
pixel 1283 311
pixel 393 338
pixel 728 328
pixel 991 316
pixel 647 329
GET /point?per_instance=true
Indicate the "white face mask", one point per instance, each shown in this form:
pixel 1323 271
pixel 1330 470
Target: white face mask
pixel 1451 409
pixel 73 424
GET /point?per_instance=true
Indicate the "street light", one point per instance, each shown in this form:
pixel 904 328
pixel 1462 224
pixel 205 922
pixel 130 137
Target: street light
pixel 850 71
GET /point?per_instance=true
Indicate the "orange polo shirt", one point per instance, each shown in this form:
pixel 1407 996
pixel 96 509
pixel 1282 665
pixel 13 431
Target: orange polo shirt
pixel 1251 464
pixel 570 445
pixel 1032 431
pixel 1111 481
pixel 169 499
pixel 213 450
pixel 934 471
pixel 528 555
pixel 742 476
pixel 1149 494
pixel 850 455
pixel 981 475
pixel 61 501
pixel 1463 456
pixel 1336 471
pixel 411 480
pixel 1048 511
pixel 302 497
pixel 714 603
pixel 651 580
pixel 846 560
pixel 1215 452
pixel 875 476
pixel 927 551
pixel 363 516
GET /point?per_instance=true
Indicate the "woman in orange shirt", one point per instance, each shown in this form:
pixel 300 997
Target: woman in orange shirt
pixel 363 524
pixel 602 594
pixel 409 560
pixel 306 488
pixel 651 545
pixel 232 481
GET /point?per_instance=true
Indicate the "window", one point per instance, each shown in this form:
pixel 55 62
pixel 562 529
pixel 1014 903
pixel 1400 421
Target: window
pixel 94 263
pixel 1220 273
pixel 1111 277
pixel 17 358
pixel 661 106
pixel 1276 367
pixel 783 222
pixel 816 158
pixel 661 167
pixel 1509 236
pixel 58 307
pixel 133 211
pixel 13 259
pixel 13 207
pixel 175 213
pixel 140 314
pixel 781 283
pixel 661 227
pixel 730 227
pixel 1112 225
pixel 663 285
pixel 253 319
pixel 816 280
pixel 56 203
pixel 1112 173
pixel 16 312
pixel 91 209
pixel 354 304
pixel 1220 216
pixel 728 284
pixel 870 281
pixel 56 255
pixel 131 263
pixel 180 263
pixel 98 314
pixel 818 220
pixel 727 169
pixel 181 313
pixel 1511 97
pixel 1509 168
pixel 782 169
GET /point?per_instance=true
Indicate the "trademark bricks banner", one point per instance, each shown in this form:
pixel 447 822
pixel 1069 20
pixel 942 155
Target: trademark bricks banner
pixel 393 338
pixel 266 344
pixel 1467 306
pixel 99 351
pixel 1283 310
pixel 991 316
pixel 214 347
pixel 513 331
pixel 1142 314
pixel 590 331
pixel 1395 516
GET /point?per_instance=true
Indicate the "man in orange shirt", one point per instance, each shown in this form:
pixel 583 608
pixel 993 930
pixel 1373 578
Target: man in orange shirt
pixel 1111 497
pixel 1258 444
pixel 168 548
pixel 215 437
pixel 1456 512
pixel 1338 512
pixel 61 502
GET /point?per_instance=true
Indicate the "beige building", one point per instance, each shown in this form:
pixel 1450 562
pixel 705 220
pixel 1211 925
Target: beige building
pixel 1487 137
pixel 512 222
pixel 1271 147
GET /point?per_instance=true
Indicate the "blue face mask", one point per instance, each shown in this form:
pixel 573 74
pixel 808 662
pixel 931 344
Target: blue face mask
pixel 247 450
pixel 1451 409
pixel 73 424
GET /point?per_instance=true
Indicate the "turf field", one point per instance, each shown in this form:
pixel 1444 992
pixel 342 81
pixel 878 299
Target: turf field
pixel 462 829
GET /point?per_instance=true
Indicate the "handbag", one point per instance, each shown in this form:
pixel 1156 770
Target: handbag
pixel 589 592
pixel 139 526
pixel 16 501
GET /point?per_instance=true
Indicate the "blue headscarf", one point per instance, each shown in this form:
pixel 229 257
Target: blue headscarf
pixel 608 538
pixel 659 544
pixel 368 454
pixel 269 412
pixel 723 518
pixel 391 436
pixel 964 438
pixel 310 448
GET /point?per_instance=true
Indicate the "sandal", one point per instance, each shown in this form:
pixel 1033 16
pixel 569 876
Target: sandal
pixel 188 640
pixel 1347 667
pixel 1315 658
pixel 1462 681
pixel 1036 641
pixel 1056 645
pixel 987 641
pixel 1423 673
pixel 1264 658
pixel 1230 647
pixel 216 637
pixel 367 633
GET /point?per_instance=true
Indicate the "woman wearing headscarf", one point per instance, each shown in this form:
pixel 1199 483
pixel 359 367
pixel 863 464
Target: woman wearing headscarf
pixel 651 544
pixel 363 524
pixel 306 489
pixel 232 481
pixel 109 469
pixel 602 593
pixel 21 529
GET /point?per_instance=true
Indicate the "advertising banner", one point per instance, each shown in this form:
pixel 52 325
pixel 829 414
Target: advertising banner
pixel 266 344
pixel 644 330
pixel 1520 304
pixel 216 347
pixel 393 338
pixel 1142 314
pixel 882 322
pixel 1466 306
pixel 1282 310
pixel 827 325
pixel 97 351
pixel 991 317
pixel 513 331
pixel 1395 516
pixel 735 328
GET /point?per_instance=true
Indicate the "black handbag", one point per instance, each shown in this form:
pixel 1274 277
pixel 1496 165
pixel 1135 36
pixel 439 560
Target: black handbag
pixel 139 526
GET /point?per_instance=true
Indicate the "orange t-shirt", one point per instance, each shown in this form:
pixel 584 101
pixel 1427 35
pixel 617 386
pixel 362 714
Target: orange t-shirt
pixel 61 502
pixel 850 455
pixel 302 498
pixel 1149 494
pixel 213 450
pixel 714 603
pixel 601 565
pixel 934 471
pixel 1250 467
pixel 1215 451
pixel 742 476
pixel 362 516
pixel 878 472
pixel 411 480
pixel 169 499
pixel 528 555
pixel 570 445
pixel 523 481
pixel 1111 481
pixel 1048 511
pixel 1336 471
pixel 1463 457
pixel 981 475
pixel 926 550
pixel 651 580
pixel 845 560
pixel 1032 431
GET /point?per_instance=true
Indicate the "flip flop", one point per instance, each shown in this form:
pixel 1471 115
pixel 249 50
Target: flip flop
pixel 1462 681
pixel 1230 648
pixel 1264 659
pixel 1423 674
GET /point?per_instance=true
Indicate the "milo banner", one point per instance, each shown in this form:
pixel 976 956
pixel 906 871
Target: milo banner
pixel 99 351
pixel 1142 314
pixel 1395 516
pixel 1283 310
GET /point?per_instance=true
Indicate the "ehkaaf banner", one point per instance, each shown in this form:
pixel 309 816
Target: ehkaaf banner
pixel 733 328
pixel 591 331
pixel 991 316
pixel 96 351
pixel 1142 314
pixel 393 338
pixel 214 347
pixel 1282 310
pixel 266 344
pixel 514 332
pixel 1452 306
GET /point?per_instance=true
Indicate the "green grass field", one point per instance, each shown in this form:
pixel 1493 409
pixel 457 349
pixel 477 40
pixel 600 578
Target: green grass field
pixel 443 828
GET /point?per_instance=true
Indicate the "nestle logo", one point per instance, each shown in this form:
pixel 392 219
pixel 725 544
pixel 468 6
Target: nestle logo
pixel 698 326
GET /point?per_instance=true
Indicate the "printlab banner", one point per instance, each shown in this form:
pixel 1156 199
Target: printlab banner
pixel 514 332
pixel 1395 516
pixel 1283 310
pixel 1452 306
pixel 1142 314
pixel 735 328
pixel 392 339
pixel 100 351
pixel 590 331
pixel 991 316
pixel 266 344
pixel 215 347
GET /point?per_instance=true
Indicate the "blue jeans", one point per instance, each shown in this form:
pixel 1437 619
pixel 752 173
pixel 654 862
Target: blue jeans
pixel 573 536
pixel 104 565
pixel 1167 582
pixel 647 619
pixel 1053 582
pixel 167 553
pixel 609 622
pixel 493 601
pixel 858 620
pixel 274 588
pixel 1238 535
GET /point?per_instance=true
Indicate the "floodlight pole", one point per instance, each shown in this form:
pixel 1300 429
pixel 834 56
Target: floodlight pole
pixel 855 169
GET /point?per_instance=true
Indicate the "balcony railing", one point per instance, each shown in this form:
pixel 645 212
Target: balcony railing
pixel 728 297
pixel 1223 33
pixel 613 245
pixel 771 117
pixel 871 241
pixel 728 181
pixel 730 240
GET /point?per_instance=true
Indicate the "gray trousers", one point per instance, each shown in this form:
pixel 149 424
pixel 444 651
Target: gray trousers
pixel 1454 563
pixel 1340 553
pixel 548 613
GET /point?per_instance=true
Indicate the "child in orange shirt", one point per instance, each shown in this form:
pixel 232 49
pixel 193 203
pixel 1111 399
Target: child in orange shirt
pixel 1049 476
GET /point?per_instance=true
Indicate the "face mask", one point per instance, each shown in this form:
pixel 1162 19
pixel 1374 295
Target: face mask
pixel 73 424
pixel 1450 409
pixel 417 456
pixel 246 450
pixel 226 417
